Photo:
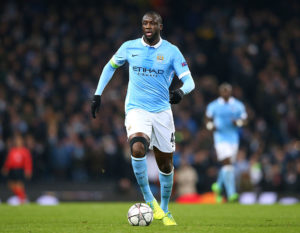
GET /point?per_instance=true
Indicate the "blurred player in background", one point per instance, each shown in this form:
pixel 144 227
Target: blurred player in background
pixel 149 119
pixel 17 166
pixel 225 116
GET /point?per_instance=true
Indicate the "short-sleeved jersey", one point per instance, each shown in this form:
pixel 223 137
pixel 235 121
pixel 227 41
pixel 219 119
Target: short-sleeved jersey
pixel 223 113
pixel 151 71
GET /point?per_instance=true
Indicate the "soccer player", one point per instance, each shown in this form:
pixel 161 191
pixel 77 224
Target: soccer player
pixel 17 166
pixel 149 120
pixel 225 116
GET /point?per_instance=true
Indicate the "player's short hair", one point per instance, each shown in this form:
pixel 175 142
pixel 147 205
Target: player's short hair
pixel 225 86
pixel 154 13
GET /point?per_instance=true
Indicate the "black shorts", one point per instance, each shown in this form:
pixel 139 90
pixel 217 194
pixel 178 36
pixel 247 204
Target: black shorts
pixel 16 175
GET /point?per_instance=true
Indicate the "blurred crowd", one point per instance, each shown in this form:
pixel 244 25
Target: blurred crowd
pixel 52 54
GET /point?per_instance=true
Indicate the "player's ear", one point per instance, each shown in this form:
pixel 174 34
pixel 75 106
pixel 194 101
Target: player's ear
pixel 161 26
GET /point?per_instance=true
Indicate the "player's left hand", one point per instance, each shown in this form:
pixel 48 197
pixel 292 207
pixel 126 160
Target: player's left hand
pixel 176 96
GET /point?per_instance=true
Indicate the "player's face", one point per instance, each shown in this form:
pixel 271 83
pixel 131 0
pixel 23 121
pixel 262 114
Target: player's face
pixel 225 93
pixel 18 141
pixel 151 27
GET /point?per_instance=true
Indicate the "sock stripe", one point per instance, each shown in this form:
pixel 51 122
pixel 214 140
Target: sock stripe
pixel 138 159
pixel 167 174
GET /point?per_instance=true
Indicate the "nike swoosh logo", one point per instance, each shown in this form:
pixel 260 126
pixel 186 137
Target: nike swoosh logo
pixel 134 55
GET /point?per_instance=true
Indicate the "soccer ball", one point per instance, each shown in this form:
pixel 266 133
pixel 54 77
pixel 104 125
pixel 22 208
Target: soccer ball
pixel 140 214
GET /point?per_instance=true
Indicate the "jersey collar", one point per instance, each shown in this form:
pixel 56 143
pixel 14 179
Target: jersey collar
pixel 222 101
pixel 153 46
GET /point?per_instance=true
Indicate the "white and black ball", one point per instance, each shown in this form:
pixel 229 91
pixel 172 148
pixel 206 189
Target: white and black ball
pixel 140 214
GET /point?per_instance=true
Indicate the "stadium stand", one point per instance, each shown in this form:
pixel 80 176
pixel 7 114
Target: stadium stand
pixel 52 53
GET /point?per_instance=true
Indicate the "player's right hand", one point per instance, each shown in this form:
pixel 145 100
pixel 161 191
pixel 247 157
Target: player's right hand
pixel 210 126
pixel 95 106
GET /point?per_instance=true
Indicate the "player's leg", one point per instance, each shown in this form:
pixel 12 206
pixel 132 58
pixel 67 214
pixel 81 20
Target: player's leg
pixel 229 180
pixel 226 153
pixel 163 145
pixel 15 183
pixel 166 175
pixel 139 143
pixel 217 186
pixel 20 190
pixel 17 187
pixel 139 129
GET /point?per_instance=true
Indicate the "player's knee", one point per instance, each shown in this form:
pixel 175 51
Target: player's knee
pixel 138 150
pixel 226 161
pixel 139 146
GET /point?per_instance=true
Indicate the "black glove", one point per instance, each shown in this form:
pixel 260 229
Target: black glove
pixel 95 105
pixel 176 96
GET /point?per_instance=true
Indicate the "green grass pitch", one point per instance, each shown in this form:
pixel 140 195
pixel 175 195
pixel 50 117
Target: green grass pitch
pixel 112 217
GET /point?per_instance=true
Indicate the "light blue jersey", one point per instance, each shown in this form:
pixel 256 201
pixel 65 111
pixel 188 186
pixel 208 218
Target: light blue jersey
pixel 151 71
pixel 223 113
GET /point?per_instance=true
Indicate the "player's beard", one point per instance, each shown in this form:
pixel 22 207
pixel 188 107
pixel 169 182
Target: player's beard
pixel 154 36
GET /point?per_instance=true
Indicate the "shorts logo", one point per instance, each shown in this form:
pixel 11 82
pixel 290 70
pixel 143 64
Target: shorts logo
pixel 183 64
pixel 172 139
pixel 160 57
